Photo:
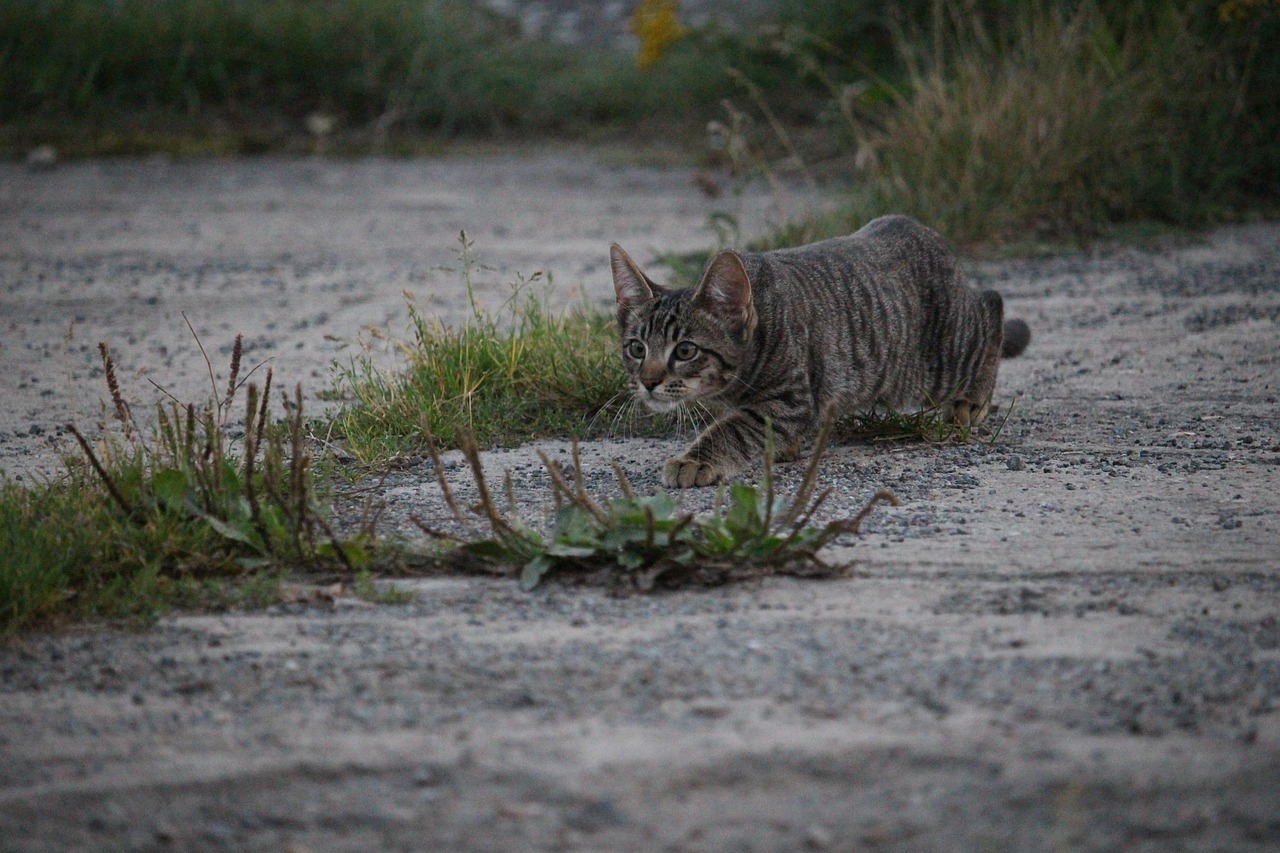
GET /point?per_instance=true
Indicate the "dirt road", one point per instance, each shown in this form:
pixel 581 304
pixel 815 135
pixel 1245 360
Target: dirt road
pixel 1065 640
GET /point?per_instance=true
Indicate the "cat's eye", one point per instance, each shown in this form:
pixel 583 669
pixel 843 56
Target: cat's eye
pixel 636 350
pixel 686 350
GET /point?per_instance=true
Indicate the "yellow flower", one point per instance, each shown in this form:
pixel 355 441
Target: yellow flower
pixel 657 24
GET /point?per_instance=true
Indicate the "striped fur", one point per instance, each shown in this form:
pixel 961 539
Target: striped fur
pixel 880 317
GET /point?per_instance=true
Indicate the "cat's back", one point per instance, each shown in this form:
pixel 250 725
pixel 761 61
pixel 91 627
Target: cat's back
pixel 891 252
pixel 873 316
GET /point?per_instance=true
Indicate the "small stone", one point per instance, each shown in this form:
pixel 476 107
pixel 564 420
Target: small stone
pixel 1014 463
pixel 596 816
pixel 817 837
pixel 219 834
pixel 429 777
pixel 42 158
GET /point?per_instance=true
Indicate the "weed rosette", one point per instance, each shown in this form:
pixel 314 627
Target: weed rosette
pixel 645 542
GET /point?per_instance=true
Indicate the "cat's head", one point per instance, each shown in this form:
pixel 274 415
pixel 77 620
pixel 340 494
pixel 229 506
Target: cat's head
pixel 682 345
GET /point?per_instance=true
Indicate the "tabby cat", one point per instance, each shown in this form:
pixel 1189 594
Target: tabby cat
pixel 880 317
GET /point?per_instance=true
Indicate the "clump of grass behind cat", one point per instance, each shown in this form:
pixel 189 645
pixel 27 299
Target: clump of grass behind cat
pixel 524 372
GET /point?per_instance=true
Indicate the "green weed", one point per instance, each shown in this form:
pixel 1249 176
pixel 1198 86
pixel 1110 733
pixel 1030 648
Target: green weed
pixel 168 510
pixel 642 542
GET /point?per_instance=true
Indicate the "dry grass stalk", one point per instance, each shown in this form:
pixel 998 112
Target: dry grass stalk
pixel 236 351
pixel 123 413
pixel 106 478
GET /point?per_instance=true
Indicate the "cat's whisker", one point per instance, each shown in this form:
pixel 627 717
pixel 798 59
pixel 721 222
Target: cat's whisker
pixel 622 417
pixel 745 384
pixel 608 404
pixel 690 420
pixel 614 415
pixel 687 422
pixel 699 415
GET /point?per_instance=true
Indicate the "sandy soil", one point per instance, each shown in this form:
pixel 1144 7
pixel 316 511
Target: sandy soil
pixel 1068 639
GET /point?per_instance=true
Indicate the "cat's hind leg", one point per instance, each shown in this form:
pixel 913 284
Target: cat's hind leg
pixel 966 414
pixel 973 402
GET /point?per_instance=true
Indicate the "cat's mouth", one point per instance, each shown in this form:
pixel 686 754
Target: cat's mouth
pixel 658 404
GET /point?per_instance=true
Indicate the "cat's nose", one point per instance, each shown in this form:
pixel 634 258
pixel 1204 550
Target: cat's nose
pixel 650 384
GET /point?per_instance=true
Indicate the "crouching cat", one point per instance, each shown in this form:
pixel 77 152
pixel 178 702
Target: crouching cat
pixel 880 317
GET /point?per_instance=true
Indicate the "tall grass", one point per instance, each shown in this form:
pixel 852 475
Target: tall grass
pixel 1060 119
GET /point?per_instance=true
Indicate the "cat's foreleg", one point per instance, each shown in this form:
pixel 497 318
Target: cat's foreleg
pixel 729 445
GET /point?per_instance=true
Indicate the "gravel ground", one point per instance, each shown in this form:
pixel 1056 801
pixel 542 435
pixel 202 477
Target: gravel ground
pixel 1067 639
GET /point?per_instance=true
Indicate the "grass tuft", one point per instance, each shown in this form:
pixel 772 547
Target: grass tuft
pixel 524 372
pixel 172 513
pixel 928 424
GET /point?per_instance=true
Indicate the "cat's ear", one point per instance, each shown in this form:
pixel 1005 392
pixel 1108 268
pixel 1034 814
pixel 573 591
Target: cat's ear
pixel 725 290
pixel 631 286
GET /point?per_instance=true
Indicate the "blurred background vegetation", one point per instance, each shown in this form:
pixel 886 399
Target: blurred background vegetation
pixel 991 119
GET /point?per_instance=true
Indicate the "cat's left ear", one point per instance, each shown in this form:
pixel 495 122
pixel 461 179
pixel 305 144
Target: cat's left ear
pixel 725 290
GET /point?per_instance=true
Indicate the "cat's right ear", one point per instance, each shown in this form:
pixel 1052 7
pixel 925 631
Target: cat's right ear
pixel 631 286
pixel 725 290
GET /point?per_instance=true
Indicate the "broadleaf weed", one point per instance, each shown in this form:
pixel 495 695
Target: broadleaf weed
pixel 643 542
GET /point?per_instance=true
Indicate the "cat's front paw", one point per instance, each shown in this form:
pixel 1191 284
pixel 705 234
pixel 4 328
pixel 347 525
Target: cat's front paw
pixel 682 472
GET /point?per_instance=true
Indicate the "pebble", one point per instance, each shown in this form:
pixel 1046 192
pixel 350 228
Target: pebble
pixel 817 837
pixel 42 158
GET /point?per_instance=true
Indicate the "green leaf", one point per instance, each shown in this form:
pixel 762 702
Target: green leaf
pixel 631 560
pixel 240 530
pixel 763 546
pixel 492 549
pixel 714 537
pixel 563 549
pixel 661 505
pixel 576 525
pixel 272 520
pixel 353 549
pixel 618 538
pixel 172 488
pixel 684 556
pixel 534 570
pixel 744 509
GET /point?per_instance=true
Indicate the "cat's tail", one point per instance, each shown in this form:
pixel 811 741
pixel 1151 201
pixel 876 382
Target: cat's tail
pixel 1017 334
